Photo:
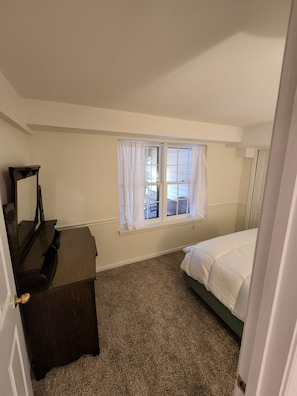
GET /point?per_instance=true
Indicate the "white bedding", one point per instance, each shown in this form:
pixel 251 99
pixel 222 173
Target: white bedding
pixel 224 266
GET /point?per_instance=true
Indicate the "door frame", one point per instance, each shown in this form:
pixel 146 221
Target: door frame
pixel 269 344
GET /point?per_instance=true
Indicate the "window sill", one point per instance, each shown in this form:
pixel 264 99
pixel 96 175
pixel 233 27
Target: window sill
pixel 159 226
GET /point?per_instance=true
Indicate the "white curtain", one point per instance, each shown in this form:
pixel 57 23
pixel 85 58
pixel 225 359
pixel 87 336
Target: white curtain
pixel 131 176
pixel 198 184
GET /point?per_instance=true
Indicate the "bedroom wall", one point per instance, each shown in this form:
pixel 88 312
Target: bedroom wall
pixel 79 184
pixel 14 151
pixel 257 135
pixel 79 172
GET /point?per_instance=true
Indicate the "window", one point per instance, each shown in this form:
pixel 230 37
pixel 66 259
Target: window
pixel 161 183
pixel 175 167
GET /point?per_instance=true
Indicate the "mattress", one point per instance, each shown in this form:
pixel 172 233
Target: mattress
pixel 224 266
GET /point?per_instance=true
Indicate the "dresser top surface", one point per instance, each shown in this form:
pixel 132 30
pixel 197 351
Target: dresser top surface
pixel 76 257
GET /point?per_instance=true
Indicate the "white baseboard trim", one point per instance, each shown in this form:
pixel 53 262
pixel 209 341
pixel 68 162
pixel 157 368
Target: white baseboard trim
pixel 136 259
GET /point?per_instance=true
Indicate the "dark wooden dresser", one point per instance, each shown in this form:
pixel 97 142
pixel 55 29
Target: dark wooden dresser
pixel 54 274
pixel 61 322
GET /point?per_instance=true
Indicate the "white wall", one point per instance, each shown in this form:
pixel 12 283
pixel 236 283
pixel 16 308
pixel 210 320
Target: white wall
pixel 12 105
pixel 14 151
pixel 257 135
pixel 79 184
pixel 79 171
pixel 42 115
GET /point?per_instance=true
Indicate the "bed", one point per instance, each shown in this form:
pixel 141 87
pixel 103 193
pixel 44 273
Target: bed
pixel 219 271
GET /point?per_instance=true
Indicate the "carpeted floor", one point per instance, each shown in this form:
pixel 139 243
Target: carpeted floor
pixel 156 337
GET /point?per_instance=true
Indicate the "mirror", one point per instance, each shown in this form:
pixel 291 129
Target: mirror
pixel 27 213
pixel 26 202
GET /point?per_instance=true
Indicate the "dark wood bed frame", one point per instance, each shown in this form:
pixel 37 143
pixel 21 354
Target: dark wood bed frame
pixel 234 323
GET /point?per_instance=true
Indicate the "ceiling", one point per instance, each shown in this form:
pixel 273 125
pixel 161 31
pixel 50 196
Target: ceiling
pixel 215 61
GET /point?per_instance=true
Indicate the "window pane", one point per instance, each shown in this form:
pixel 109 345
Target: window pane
pixel 172 172
pixel 178 207
pixel 172 198
pixel 178 199
pixel 151 210
pixel 152 155
pixel 183 191
pixel 172 191
pixel 151 202
pixel 183 206
pixel 178 164
pixel 184 156
pixel 183 173
pixel 152 164
pixel 152 173
pixel 172 156
pixel 171 207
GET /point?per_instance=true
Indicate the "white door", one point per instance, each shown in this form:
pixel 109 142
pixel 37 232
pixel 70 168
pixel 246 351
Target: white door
pixel 14 366
pixel 258 189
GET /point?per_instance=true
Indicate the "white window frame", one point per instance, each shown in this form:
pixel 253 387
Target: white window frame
pixel 163 183
pixel 163 219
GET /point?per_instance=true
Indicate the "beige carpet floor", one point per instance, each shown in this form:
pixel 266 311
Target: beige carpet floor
pixel 156 337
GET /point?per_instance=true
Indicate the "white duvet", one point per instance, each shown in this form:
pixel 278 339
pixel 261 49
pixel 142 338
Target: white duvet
pixel 224 266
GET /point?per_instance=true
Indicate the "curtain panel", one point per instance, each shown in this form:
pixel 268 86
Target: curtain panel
pixel 198 184
pixel 131 178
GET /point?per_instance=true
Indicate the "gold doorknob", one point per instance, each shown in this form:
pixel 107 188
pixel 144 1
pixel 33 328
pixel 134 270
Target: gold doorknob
pixel 21 300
